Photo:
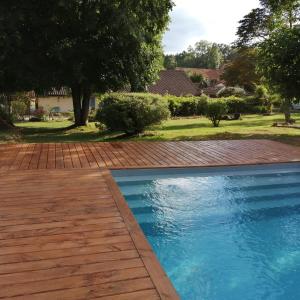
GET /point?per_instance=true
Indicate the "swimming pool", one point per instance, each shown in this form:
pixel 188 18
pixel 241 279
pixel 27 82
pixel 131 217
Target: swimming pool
pixel 222 233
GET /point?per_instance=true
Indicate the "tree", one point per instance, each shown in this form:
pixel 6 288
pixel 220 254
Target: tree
pixel 271 29
pixel 241 71
pixel 280 63
pixel 203 55
pixel 261 22
pixel 89 46
pixel 214 57
pixel 216 109
pixel 170 62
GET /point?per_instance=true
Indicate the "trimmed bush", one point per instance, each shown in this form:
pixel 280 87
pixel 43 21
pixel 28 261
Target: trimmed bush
pixel 216 109
pixel 247 105
pixel 236 105
pixel 187 106
pixel 131 113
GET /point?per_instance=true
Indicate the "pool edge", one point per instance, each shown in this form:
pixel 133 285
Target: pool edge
pixel 156 272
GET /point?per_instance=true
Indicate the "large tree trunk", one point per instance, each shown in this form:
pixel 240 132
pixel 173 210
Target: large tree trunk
pixel 4 124
pixel 287 110
pixel 81 104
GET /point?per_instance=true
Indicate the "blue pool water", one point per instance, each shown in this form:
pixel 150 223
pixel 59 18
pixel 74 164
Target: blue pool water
pixel 227 233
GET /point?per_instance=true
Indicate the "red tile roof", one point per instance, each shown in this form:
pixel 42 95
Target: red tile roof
pixel 211 74
pixel 174 82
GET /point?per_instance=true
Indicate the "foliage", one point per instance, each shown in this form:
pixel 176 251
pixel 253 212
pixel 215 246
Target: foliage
pixel 253 28
pixel 232 91
pixel 203 55
pixel 6 120
pixel 216 109
pixel 20 105
pixel 264 95
pixel 275 33
pixel 131 113
pixel 88 46
pixel 18 109
pixel 187 106
pixel 241 71
pixel 236 105
pixel 170 62
pixel 280 63
pixel 196 78
pixel 261 22
pixel 39 114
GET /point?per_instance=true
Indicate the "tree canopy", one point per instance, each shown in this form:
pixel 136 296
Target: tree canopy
pixel 280 63
pixel 242 70
pixel 89 46
pixel 260 22
pixel 203 55
pixel 272 30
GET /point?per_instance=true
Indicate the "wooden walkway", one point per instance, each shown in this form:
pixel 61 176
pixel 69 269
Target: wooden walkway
pixel 67 233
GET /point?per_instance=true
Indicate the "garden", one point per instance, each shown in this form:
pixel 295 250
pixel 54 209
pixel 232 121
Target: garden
pixel 143 116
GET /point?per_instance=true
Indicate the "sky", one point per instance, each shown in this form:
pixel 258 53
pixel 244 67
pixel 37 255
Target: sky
pixel 212 20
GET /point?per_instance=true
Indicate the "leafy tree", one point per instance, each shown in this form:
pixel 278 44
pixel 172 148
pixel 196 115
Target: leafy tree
pixel 280 63
pixel 241 71
pixel 89 46
pixel 214 57
pixel 216 109
pixel 170 62
pixel 261 22
pixel 203 55
pixel 271 28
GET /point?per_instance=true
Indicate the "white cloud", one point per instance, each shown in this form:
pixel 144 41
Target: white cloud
pixel 213 20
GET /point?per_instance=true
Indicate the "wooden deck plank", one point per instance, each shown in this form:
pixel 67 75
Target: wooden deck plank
pixel 94 291
pixel 73 282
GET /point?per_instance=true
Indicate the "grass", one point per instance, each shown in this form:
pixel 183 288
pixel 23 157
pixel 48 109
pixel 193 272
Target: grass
pixel 251 126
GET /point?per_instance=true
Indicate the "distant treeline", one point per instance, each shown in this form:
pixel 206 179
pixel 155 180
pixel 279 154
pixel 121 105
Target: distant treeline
pixel 203 55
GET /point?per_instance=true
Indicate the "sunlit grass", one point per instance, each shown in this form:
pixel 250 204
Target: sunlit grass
pixel 251 126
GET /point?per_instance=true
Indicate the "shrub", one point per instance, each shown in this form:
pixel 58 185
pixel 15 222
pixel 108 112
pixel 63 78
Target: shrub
pixel 262 93
pixel 215 111
pixel 38 115
pixel 236 105
pixel 187 106
pixel 201 105
pixel 232 91
pixel 131 113
pixel 18 109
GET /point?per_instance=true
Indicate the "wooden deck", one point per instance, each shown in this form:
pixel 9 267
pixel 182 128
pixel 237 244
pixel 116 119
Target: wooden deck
pixel 144 154
pixel 66 232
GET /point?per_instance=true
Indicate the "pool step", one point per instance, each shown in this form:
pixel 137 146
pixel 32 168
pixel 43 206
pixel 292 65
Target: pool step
pixel 251 185
pixel 152 227
pixel 143 211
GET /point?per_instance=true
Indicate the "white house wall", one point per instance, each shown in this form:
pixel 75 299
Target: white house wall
pixel 65 104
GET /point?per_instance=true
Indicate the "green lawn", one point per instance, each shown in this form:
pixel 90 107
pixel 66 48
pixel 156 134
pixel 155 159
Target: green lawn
pixel 252 126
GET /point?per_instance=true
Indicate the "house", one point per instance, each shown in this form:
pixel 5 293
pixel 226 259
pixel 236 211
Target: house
pixel 212 75
pixel 58 100
pixel 174 82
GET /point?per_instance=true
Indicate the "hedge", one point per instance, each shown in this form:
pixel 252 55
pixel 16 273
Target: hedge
pixel 187 106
